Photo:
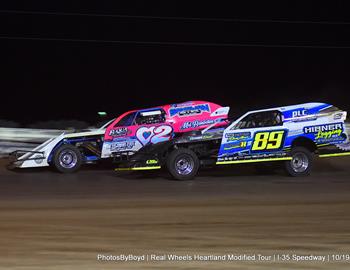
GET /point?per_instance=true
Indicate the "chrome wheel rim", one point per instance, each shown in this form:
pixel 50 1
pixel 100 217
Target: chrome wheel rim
pixel 184 165
pixel 300 162
pixel 68 159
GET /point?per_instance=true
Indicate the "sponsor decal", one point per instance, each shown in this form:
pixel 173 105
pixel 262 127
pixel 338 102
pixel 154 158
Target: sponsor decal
pixel 238 136
pixel 38 159
pixel 198 123
pixel 118 132
pixel 201 137
pixel 189 110
pixel 338 116
pixel 299 113
pixel 177 105
pixel 195 138
pixel 122 145
pixel 306 118
pixel 151 161
pixel 235 145
pixel 326 133
pixel 255 156
pixel 221 111
pixel 209 136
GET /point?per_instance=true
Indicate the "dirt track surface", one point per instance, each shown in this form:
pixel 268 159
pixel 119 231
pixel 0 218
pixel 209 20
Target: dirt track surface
pixel 54 221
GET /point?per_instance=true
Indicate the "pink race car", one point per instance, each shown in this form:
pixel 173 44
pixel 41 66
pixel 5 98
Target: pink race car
pixel 125 136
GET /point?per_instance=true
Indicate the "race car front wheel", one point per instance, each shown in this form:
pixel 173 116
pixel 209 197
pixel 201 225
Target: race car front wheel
pixel 301 162
pixel 183 164
pixel 67 159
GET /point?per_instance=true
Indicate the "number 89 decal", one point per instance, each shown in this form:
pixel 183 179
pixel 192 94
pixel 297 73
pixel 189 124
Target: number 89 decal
pixel 268 140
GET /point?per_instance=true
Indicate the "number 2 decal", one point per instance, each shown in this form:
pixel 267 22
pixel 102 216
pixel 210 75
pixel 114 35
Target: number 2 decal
pixel 268 140
pixel 153 134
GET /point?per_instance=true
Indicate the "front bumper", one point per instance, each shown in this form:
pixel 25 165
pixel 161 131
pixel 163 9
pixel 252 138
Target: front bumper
pixel 17 158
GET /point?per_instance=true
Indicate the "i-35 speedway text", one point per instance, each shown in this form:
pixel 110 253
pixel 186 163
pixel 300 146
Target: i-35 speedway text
pixel 183 137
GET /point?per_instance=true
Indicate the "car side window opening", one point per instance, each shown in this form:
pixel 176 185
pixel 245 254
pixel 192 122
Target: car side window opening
pixel 150 117
pixel 127 120
pixel 261 119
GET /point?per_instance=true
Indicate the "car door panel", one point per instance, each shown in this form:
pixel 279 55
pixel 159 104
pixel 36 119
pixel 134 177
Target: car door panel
pixel 133 137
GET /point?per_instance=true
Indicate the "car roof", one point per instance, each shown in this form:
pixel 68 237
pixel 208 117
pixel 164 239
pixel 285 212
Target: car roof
pixel 316 105
pixel 167 106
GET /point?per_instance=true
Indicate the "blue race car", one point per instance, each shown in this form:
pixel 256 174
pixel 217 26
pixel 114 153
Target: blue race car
pixel 292 135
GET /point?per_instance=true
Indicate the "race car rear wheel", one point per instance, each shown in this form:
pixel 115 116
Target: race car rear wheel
pixel 67 159
pixel 301 162
pixel 183 164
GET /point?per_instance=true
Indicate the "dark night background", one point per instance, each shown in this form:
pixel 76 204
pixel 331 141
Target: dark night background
pixel 57 64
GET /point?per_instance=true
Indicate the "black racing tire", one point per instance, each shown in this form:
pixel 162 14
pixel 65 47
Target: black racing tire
pixel 67 159
pixel 182 164
pixel 301 163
